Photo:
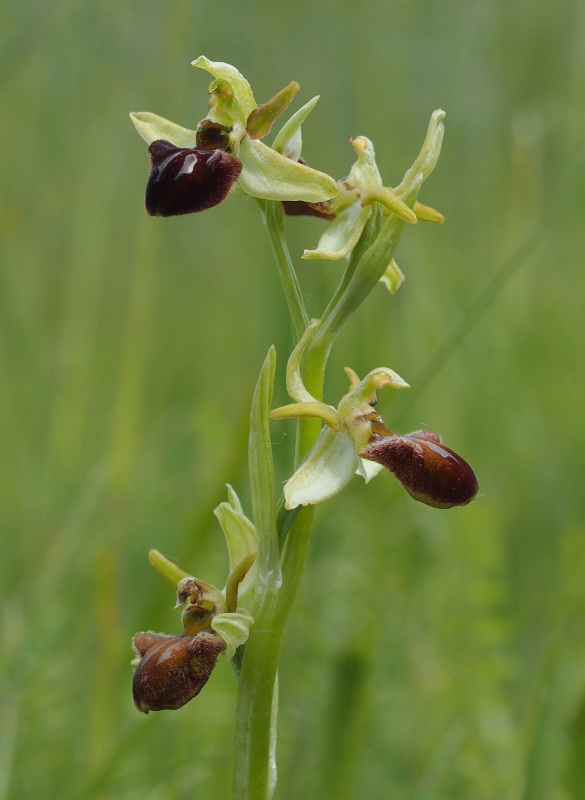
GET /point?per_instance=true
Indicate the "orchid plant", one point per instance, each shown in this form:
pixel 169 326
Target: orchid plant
pixel 192 170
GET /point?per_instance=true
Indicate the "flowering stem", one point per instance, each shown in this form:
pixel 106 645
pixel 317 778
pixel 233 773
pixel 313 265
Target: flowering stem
pixel 273 214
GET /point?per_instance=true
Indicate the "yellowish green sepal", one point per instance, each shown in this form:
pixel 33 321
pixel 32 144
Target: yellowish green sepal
pixel 152 127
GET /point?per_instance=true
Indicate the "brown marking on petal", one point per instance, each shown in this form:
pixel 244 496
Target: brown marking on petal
pixel 173 670
pixel 429 471
pixel 212 136
pixel 184 181
pixel 261 119
pixel 299 208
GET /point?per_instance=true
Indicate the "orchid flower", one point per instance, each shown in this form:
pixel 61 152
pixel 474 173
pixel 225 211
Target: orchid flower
pixel 192 170
pixel 355 440
pixel 171 670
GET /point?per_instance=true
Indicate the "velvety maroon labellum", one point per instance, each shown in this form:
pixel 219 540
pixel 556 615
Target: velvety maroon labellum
pixel 173 669
pixel 184 181
pixel 429 471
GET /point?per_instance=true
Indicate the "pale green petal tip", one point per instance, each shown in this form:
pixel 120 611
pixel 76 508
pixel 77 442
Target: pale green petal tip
pixel 243 98
pixel 152 127
pixel 328 468
pixel 393 278
pixel 233 628
pixel 270 176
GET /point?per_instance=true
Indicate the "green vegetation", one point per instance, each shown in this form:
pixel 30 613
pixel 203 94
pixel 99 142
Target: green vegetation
pixel 121 417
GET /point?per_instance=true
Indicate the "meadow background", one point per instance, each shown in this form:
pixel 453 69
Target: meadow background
pixel 431 655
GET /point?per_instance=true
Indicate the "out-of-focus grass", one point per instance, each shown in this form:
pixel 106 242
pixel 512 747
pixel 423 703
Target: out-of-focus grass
pixel 431 654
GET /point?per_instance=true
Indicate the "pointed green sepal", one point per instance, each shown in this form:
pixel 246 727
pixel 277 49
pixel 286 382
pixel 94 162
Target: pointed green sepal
pixel 270 176
pixel 239 531
pixel 238 103
pixel 261 119
pixel 152 127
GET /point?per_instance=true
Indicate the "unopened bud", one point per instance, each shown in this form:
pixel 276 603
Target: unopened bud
pixel 172 669
pixel 429 471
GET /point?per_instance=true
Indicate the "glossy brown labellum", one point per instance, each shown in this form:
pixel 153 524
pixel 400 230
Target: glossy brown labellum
pixel 429 471
pixel 173 669
pixel 184 181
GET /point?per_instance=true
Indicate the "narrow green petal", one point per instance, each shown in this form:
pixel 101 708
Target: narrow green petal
pixel 233 628
pixel 311 409
pixel 329 466
pixel 152 127
pixel 292 128
pixel 270 176
pixel 243 102
pixel 342 234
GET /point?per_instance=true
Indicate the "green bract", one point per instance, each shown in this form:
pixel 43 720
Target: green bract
pixel 266 173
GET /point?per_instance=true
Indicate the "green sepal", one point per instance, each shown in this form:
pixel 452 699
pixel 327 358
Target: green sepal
pixel 328 467
pixel 239 532
pixel 152 127
pixel 242 103
pixel 270 176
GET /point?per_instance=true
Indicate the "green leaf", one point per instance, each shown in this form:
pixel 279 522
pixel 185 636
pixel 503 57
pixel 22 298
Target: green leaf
pixel 270 176
pixel 152 127
pixel 262 477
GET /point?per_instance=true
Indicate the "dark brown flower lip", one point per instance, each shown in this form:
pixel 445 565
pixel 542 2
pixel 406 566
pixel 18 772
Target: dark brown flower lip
pixel 185 181
pixel 429 471
pixel 172 669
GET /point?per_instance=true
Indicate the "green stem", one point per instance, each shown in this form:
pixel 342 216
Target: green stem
pixel 273 214
pixel 254 737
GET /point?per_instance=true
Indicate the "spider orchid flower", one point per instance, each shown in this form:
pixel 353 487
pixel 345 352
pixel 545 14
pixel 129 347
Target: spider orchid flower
pixel 171 670
pixel 355 439
pixel 192 170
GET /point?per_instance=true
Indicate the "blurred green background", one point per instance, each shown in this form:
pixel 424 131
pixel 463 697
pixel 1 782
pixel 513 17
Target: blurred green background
pixel 432 654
